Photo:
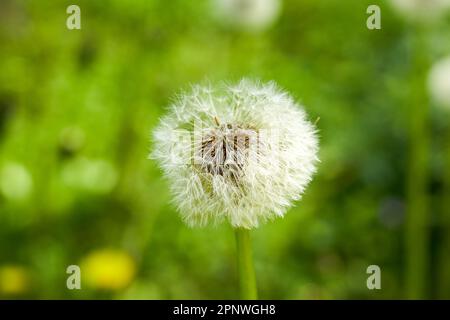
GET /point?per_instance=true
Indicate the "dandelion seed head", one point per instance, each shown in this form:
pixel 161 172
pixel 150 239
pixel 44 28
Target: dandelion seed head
pixel 252 15
pixel 421 9
pixel 241 153
pixel 16 182
pixel 439 83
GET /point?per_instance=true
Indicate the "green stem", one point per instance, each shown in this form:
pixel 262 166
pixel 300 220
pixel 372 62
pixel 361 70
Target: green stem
pixel 247 279
pixel 444 252
pixel 417 219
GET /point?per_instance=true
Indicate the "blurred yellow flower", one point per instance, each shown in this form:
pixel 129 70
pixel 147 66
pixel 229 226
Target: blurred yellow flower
pixel 108 269
pixel 13 280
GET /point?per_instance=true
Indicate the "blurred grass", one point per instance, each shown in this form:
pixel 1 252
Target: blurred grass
pixel 77 107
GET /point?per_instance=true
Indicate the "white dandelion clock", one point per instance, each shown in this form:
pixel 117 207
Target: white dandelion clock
pixel 439 83
pixel 421 9
pixel 16 182
pixel 242 153
pixel 252 15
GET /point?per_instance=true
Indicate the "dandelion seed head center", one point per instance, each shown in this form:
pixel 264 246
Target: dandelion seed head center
pixel 227 148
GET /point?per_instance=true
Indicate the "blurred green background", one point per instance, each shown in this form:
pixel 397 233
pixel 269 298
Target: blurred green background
pixel 77 108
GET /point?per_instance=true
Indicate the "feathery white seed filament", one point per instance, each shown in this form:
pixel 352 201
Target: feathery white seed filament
pixel 239 152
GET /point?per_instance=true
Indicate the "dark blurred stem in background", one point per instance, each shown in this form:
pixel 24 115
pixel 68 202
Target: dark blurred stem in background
pixel 418 214
pixel 444 251
pixel 247 279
